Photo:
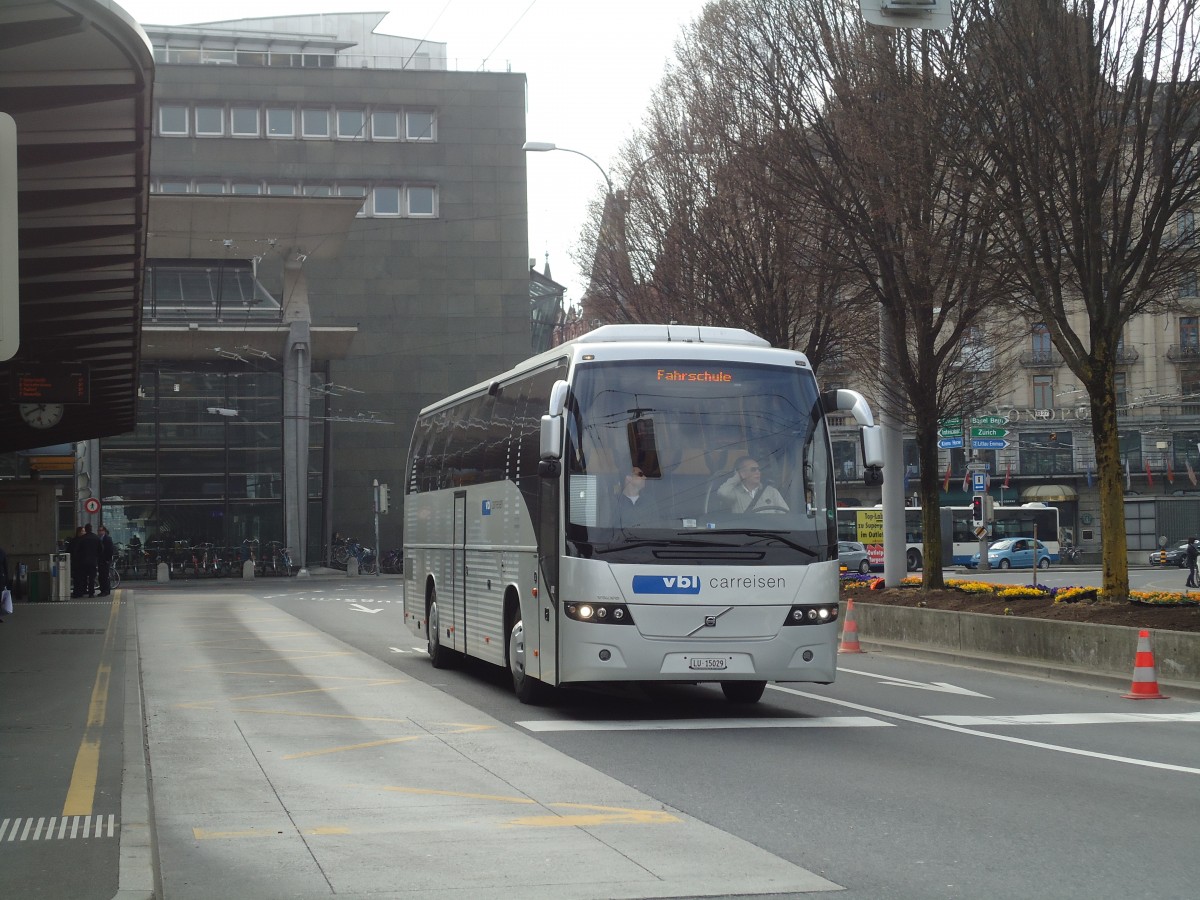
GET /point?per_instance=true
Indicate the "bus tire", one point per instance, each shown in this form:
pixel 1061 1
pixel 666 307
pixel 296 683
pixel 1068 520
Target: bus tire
pixel 914 560
pixel 439 655
pixel 526 687
pixel 743 691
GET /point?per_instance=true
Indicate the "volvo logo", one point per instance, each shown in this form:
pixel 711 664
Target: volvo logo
pixel 710 621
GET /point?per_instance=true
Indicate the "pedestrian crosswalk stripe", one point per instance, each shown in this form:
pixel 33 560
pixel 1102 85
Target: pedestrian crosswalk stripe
pixel 55 828
pixel 542 725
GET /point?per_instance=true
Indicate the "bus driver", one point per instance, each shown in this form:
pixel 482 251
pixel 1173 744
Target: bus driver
pixel 745 491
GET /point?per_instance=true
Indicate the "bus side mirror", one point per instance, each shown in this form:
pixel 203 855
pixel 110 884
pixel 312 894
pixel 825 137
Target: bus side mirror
pixel 872 447
pixel 873 476
pixel 551 437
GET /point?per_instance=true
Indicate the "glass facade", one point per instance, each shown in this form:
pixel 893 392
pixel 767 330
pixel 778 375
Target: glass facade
pixel 205 464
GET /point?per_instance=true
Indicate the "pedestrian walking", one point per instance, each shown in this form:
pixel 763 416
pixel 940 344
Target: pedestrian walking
pixel 88 547
pixel 107 552
pixel 1192 552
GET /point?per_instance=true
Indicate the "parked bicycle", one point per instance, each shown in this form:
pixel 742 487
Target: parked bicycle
pixel 277 560
pixel 367 563
pixel 1069 552
pixel 392 563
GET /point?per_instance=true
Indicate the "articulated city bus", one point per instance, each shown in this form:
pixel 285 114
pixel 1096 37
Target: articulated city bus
pixel 959 541
pixel 645 503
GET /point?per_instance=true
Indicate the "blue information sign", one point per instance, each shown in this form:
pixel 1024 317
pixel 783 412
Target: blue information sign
pixel 950 443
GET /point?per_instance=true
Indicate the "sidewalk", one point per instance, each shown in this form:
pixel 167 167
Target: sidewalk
pixel 287 764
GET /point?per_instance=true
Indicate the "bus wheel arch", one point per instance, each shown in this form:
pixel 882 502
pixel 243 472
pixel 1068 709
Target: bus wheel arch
pixel 526 687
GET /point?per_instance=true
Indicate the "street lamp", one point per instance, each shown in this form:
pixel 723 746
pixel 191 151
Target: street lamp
pixel 547 146
pixel 618 261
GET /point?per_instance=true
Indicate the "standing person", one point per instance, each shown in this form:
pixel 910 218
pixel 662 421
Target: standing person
pixel 75 549
pixel 745 491
pixel 3 573
pixel 107 552
pixel 88 547
pixel 1193 551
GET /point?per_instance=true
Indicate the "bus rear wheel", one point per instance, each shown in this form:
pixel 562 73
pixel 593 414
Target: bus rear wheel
pixel 743 691
pixel 438 654
pixel 914 560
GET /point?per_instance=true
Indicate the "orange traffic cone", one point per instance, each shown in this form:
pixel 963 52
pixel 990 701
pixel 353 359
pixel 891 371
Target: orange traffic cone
pixel 850 632
pixel 1145 681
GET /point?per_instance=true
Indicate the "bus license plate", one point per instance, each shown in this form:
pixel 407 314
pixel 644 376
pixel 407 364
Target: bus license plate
pixel 707 662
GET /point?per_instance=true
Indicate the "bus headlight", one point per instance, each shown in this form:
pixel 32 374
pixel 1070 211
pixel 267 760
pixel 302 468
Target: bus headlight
pixel 814 614
pixel 599 613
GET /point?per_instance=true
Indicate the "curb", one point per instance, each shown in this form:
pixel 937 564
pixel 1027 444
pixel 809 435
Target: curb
pixel 1081 653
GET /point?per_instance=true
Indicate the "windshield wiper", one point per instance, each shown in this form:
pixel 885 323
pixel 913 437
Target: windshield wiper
pixel 780 536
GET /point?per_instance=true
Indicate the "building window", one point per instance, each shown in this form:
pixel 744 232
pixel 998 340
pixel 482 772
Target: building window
pixel 251 57
pixel 351 124
pixel 173 187
pixel 282 190
pixel 1184 448
pixel 1043 391
pixel 418 125
pixel 243 121
pixel 1131 450
pixel 314 123
pixel 1046 453
pixel 318 190
pixel 210 121
pixel 1187 285
pixel 1189 387
pixel 281 123
pixel 353 190
pixel 1187 227
pixel 385 126
pixel 386 201
pixel 1121 388
pixel 210 187
pixel 247 187
pixel 172 120
pixel 421 201
pixel 1189 334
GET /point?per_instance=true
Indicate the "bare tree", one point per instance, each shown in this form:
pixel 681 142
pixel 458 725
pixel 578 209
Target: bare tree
pixel 1093 122
pixel 866 132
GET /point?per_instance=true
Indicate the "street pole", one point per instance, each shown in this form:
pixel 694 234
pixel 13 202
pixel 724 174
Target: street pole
pixel 378 553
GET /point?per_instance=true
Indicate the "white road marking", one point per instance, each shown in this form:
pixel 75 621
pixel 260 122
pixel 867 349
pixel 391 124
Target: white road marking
pixel 940 686
pixel 355 606
pixel 1073 751
pixel 700 724
pixel 1069 718
pixel 42 829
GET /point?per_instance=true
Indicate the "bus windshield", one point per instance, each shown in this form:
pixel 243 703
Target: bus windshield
pixel 703 460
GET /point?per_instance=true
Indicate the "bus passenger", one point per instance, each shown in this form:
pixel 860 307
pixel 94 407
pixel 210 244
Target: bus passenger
pixel 745 491
pixel 635 505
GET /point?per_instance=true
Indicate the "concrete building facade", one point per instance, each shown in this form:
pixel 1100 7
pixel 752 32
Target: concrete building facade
pixel 253 323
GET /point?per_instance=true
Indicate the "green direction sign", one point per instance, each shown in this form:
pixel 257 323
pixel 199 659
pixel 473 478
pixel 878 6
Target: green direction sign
pixel 956 431
pixel 955 422
pixel 989 420
pixel 988 432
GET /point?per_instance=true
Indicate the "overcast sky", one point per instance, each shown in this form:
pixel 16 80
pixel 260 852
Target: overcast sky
pixel 592 67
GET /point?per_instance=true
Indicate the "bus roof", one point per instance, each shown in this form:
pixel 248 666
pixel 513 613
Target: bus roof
pixel 738 338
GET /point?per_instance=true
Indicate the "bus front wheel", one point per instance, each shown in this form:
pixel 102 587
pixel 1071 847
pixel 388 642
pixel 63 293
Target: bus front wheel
pixel 525 686
pixel 438 655
pixel 743 691
pixel 914 560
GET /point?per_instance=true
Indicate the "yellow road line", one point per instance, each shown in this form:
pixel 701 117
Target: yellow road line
pixel 366 746
pixel 596 815
pixel 81 793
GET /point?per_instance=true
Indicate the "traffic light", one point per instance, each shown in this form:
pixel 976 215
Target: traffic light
pixel 977 516
pixel 384 497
